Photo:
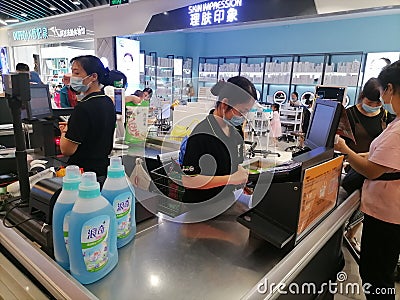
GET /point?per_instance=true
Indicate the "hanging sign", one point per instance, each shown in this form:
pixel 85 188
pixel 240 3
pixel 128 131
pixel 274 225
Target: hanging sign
pixel 118 2
pixel 68 32
pixel 228 12
pixel 51 31
pixel 32 34
pixel 214 12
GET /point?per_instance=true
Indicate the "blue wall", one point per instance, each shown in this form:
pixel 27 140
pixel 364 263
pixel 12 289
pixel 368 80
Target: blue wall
pixel 164 43
pixel 363 34
pixel 367 34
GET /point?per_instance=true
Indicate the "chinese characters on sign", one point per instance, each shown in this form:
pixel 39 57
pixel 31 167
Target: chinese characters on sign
pixel 214 13
pixel 70 32
pixel 319 193
pixel 41 33
pixel 38 33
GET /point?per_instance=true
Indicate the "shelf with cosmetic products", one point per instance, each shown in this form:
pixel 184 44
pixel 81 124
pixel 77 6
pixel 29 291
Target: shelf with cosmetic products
pixel 286 73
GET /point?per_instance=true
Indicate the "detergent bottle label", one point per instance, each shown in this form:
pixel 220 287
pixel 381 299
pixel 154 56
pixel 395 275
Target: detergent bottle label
pixel 66 228
pixel 122 206
pixel 94 242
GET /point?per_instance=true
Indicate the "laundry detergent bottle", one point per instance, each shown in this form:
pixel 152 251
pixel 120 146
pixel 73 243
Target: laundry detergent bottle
pixel 121 195
pixel 61 214
pixel 92 233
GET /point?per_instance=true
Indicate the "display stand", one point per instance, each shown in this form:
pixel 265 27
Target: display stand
pixel 278 216
pixel 287 72
pixel 259 124
pixel 163 117
pixel 291 119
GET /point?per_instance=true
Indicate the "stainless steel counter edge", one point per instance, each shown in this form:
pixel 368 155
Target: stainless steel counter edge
pixel 293 263
pixel 57 281
pixel 63 286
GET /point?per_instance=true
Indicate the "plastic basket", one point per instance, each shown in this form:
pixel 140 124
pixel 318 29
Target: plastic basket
pixel 168 180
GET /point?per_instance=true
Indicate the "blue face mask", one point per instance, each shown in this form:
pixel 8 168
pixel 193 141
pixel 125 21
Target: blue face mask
pixel 235 121
pixel 77 84
pixel 388 107
pixel 371 109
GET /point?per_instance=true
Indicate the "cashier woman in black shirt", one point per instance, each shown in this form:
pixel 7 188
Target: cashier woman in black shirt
pixel 215 148
pixel 88 137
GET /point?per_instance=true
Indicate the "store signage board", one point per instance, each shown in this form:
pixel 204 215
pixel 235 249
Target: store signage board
pixel 118 2
pixel 68 32
pixel 41 33
pixel 214 12
pixel 228 12
pixel 45 32
pixel 31 34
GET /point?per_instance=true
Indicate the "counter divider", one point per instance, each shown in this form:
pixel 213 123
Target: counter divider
pixel 55 279
pixel 295 261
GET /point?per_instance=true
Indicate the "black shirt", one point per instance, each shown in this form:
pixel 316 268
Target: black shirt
pixel 306 120
pixel 210 152
pixel 365 129
pixel 91 125
pixel 373 125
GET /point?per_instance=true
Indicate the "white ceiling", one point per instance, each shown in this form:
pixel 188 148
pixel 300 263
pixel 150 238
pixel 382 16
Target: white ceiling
pixel 334 6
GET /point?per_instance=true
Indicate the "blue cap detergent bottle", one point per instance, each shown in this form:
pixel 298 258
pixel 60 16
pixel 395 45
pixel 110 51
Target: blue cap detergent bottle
pixel 61 213
pixel 121 195
pixel 92 233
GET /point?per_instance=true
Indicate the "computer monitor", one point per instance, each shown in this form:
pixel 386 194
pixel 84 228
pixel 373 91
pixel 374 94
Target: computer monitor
pixel 40 104
pixel 337 93
pixel 118 100
pixel 323 124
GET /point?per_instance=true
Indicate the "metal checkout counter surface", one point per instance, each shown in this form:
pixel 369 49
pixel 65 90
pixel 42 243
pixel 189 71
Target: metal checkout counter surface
pixel 215 259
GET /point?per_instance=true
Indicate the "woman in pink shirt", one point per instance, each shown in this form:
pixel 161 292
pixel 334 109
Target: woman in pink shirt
pixel 380 197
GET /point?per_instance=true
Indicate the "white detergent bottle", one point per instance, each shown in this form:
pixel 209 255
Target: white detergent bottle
pixel 61 214
pixel 92 240
pixel 121 195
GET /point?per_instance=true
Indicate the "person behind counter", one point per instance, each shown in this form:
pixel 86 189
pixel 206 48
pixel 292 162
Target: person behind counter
pixel 294 99
pixel 88 137
pixel 34 77
pixel 380 196
pixel 139 98
pixel 305 121
pixel 215 149
pixel 147 93
pixel 67 96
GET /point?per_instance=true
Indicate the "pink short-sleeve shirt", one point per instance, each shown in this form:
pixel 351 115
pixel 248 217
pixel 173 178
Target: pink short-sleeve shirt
pixel 381 199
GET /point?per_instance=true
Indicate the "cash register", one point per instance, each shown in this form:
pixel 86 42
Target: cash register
pixel 277 197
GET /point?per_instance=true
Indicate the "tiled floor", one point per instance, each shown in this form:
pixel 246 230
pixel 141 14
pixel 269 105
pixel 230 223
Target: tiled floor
pixel 351 269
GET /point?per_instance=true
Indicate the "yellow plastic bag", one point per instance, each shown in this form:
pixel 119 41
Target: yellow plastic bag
pixel 178 132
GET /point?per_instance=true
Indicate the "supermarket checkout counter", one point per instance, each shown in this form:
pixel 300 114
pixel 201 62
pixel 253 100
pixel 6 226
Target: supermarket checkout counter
pixel 215 259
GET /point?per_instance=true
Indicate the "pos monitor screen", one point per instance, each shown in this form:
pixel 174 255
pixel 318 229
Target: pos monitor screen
pixel 323 124
pixel 118 101
pixel 40 104
pixel 337 93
